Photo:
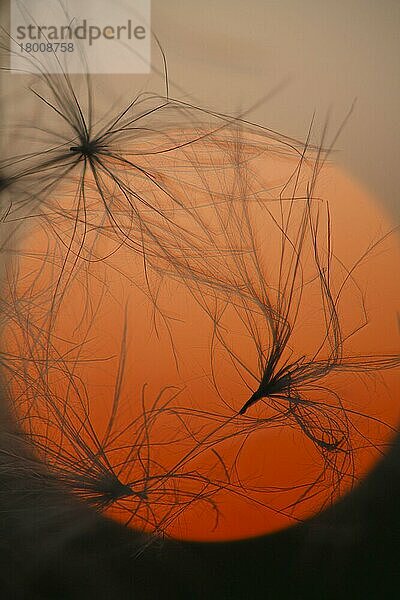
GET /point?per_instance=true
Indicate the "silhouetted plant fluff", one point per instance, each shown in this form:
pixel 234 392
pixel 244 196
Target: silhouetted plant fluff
pixel 224 217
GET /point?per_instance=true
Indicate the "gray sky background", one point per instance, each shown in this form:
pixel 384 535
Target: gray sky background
pixel 228 55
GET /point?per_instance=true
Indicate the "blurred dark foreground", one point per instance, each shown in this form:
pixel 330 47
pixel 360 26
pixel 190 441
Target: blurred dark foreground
pixel 53 549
